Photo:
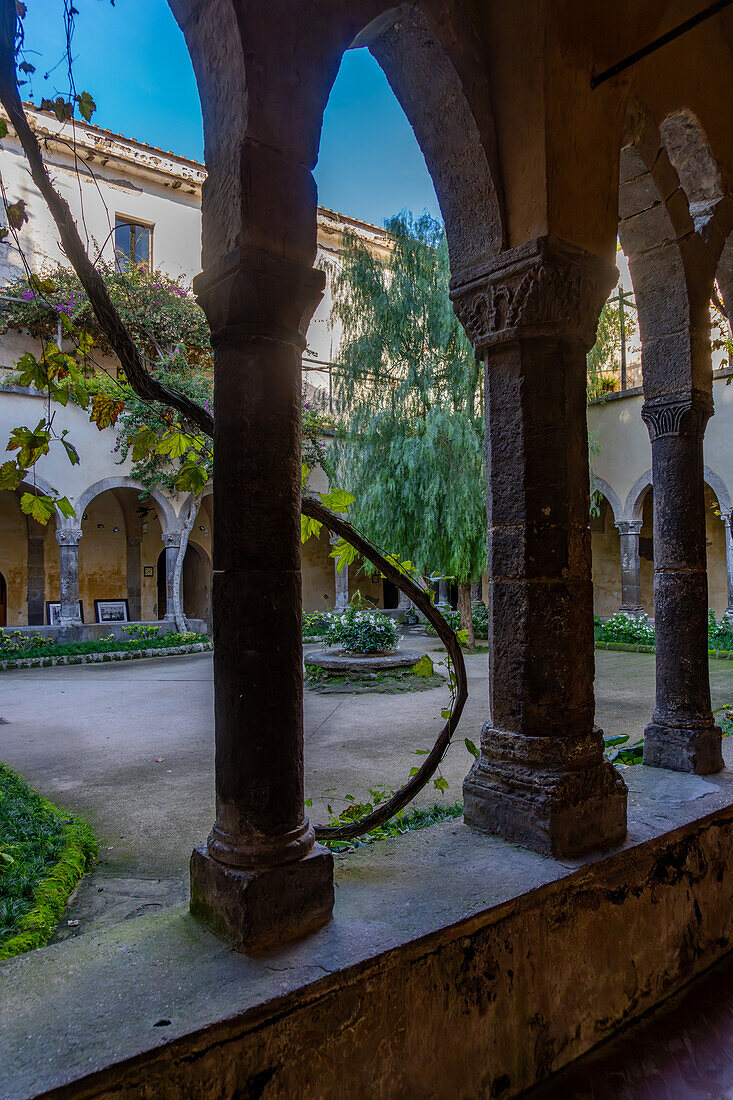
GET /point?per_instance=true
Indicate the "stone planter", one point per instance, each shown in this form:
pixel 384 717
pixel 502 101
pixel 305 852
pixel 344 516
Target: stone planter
pixel 394 671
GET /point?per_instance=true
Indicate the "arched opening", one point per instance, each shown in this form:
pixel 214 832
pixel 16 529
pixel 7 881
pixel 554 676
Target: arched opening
pixel 606 561
pixel 197 584
pixel 121 538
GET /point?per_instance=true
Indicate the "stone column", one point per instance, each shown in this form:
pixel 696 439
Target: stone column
pixel 443 596
pixel 172 543
pixel 134 579
pixel 541 778
pixel 476 594
pixel 341 581
pixel 404 603
pixel 68 540
pixel 682 734
pixel 729 562
pixel 630 568
pixel 36 580
pixel 260 879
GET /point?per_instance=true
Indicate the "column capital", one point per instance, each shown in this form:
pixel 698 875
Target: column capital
pixel 68 537
pixel 544 288
pixel 253 294
pixel 726 519
pixel 171 538
pixel 629 527
pixel 677 414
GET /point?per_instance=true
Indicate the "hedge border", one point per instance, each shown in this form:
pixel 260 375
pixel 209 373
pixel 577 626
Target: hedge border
pixel 113 655
pixel 633 647
pixel 54 889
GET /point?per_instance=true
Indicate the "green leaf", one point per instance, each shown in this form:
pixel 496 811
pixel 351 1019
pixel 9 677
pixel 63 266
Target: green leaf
pixel 72 452
pixel 191 478
pixel 344 553
pixel 174 443
pixel 338 500
pixel 11 475
pixel 462 636
pixel 40 508
pixel 105 410
pixel 64 506
pixel 30 445
pixel 16 213
pixel 26 67
pixel 446 713
pixel 309 527
pixel 3 128
pixel 143 443
pixel 471 747
pixel 309 802
pixel 440 783
pixel 87 106
pixel 60 107
pixel 421 752
pixel 413 771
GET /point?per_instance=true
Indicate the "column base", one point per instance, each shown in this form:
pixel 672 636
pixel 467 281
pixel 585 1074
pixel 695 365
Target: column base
pixel 566 805
pixel 633 612
pixel 683 750
pixel 258 910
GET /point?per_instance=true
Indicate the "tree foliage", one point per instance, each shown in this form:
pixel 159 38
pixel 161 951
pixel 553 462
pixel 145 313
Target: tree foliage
pixel 408 393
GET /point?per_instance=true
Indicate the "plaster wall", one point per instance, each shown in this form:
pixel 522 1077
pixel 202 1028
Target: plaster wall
pixel 606 552
pixel 14 558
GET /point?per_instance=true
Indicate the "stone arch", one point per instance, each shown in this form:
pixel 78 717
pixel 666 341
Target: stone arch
pixel 715 482
pixel 457 139
pixel 611 496
pixel 635 499
pixel 671 267
pixel 167 515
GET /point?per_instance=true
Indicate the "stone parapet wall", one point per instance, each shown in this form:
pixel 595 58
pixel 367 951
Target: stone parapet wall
pixel 456 964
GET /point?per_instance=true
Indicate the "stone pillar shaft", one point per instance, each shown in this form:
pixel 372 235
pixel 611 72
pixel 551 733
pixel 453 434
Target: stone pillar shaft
pixel 476 593
pixel 172 543
pixel 541 778
pixel 36 580
pixel 260 879
pixel 341 582
pixel 682 734
pixel 630 568
pixel 443 595
pixel 134 579
pixel 68 541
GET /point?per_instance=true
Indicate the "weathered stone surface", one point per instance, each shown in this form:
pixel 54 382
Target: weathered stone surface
pixel 257 910
pixel 456 964
pixel 353 662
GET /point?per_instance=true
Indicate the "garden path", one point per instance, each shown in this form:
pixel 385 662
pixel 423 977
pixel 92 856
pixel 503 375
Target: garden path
pixel 130 747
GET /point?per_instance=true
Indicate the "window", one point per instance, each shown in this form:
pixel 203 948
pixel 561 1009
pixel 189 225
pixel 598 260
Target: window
pixel 133 243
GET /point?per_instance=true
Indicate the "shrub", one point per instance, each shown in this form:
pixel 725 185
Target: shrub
pixel 720 636
pixel 22 645
pixel 361 631
pixel 314 625
pixel 624 628
pixel 480 616
pixel 44 853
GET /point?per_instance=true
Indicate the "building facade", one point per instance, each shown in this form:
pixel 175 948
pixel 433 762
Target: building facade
pixel 141 204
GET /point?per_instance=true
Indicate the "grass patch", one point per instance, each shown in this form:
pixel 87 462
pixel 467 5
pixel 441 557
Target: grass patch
pixel 44 852
pixel 19 648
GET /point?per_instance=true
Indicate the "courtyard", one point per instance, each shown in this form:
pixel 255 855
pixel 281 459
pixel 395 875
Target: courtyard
pixel 129 747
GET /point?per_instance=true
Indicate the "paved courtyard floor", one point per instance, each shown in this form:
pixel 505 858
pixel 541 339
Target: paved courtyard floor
pixel 130 747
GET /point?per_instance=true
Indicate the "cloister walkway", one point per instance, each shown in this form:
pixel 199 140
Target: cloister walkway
pixel 130 747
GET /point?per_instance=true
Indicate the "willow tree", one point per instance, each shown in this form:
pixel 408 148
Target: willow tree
pixel 408 393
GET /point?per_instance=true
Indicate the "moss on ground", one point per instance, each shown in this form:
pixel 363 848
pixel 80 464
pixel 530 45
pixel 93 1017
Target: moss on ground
pixel 44 852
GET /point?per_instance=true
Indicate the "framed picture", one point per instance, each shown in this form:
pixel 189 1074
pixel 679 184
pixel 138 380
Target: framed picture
pixel 53 612
pixel 149 571
pixel 111 611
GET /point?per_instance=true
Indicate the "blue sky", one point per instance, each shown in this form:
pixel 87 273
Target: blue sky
pixel 133 60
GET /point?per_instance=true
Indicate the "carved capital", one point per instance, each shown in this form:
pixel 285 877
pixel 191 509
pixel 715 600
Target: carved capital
pixel 677 415
pixel 543 288
pixel 629 527
pixel 67 537
pixel 171 538
pixel 250 294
